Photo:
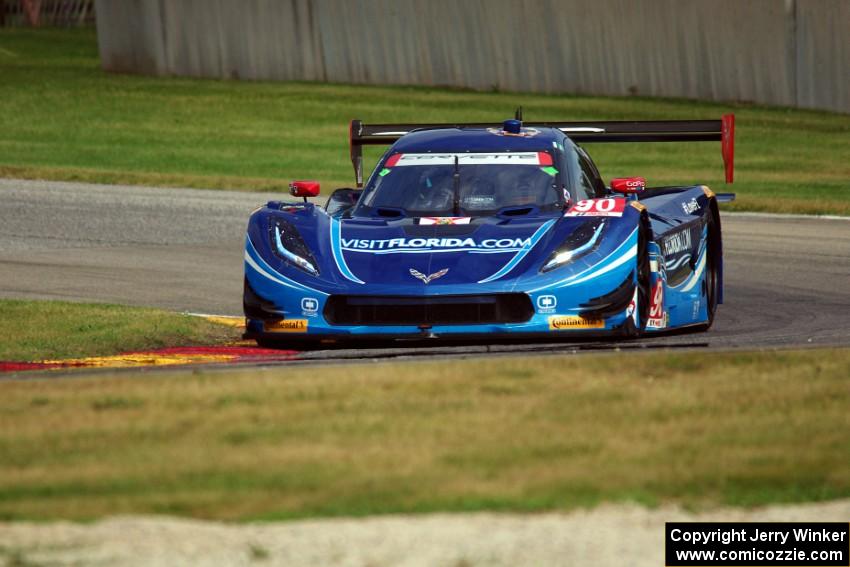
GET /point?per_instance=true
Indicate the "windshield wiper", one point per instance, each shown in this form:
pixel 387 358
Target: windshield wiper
pixel 456 179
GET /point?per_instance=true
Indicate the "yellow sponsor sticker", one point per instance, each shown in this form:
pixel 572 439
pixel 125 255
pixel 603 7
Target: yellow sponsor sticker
pixel 563 322
pixel 286 326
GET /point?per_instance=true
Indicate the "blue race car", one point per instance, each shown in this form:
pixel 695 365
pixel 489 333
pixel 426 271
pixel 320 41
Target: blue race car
pixel 489 230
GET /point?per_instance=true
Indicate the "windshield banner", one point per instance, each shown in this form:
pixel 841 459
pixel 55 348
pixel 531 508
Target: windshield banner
pixel 515 158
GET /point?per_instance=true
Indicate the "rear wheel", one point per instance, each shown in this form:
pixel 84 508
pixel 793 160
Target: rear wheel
pixel 711 283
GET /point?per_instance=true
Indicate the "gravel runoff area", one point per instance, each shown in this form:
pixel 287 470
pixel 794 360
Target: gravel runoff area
pixel 607 535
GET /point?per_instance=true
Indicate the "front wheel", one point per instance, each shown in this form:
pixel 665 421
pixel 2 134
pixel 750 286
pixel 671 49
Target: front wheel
pixel 642 281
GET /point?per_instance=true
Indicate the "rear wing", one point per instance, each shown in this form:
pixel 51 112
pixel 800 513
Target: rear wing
pixel 722 130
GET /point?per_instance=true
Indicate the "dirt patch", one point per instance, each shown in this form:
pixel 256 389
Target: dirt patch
pixel 607 535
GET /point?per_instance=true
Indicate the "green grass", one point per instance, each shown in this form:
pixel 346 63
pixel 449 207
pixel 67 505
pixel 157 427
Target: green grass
pixel 38 330
pixel 543 433
pixel 63 118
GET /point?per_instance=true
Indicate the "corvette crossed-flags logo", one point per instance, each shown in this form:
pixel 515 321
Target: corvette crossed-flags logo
pixel 427 279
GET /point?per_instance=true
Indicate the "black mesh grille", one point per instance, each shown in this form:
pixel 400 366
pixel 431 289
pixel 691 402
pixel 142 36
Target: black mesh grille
pixel 434 310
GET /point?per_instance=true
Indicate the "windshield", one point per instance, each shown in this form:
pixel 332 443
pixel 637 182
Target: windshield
pixel 472 184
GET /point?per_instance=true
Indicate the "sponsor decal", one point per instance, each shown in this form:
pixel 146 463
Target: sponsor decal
pixel 478 202
pixel 547 303
pixel 676 249
pixel 309 306
pixel 397 245
pixel 563 322
pixel 676 243
pixel 628 184
pixel 286 326
pixel 598 208
pixel 657 317
pixel 690 207
pixel 501 158
pixel 428 279
pixel 444 220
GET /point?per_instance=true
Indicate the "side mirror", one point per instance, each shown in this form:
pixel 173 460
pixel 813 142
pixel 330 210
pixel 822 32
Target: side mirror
pixel 342 200
pixel 628 185
pixel 304 189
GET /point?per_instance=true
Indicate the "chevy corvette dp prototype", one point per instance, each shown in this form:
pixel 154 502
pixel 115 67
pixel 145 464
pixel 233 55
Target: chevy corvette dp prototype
pixel 504 230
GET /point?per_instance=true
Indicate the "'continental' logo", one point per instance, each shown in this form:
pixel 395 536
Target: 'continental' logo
pixel 286 326
pixel 561 322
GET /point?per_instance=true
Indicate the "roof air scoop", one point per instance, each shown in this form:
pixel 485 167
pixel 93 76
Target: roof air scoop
pixel 512 126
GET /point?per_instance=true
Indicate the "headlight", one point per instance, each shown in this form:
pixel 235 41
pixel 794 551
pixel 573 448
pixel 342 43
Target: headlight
pixel 581 241
pixel 288 245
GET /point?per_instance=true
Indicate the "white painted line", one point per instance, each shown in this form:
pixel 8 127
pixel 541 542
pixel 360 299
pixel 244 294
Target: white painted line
pixel 781 216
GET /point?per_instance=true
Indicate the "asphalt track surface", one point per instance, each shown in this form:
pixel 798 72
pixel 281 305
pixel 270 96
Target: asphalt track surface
pixel 787 277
